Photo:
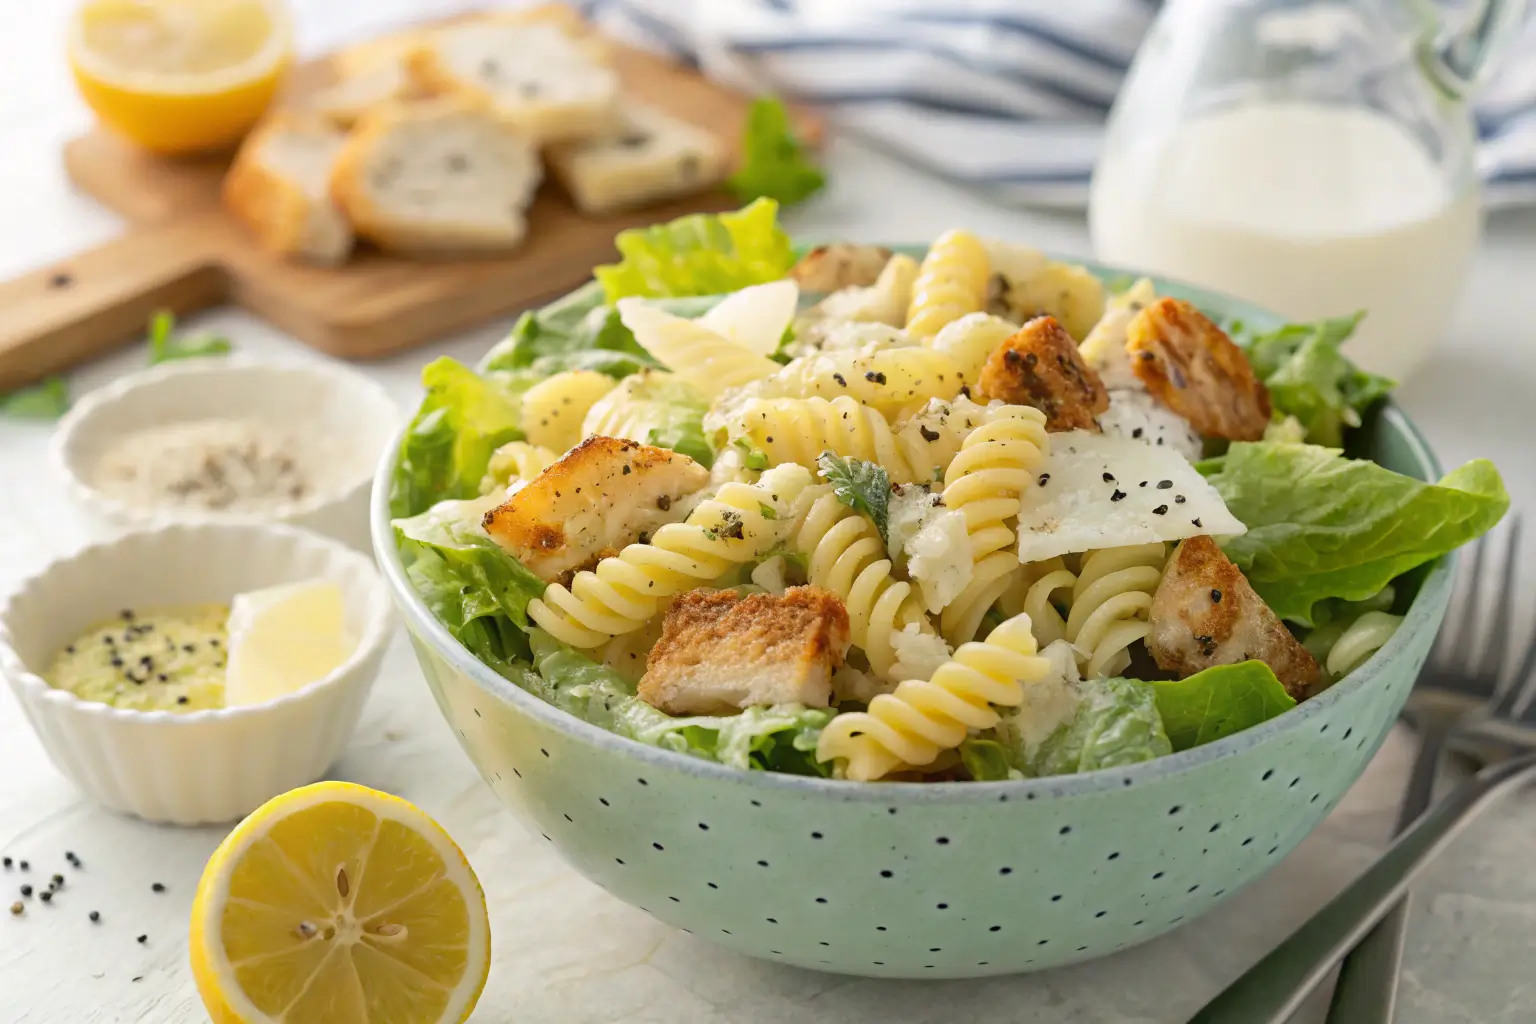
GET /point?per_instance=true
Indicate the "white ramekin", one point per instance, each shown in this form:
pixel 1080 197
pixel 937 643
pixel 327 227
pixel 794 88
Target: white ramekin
pixel 352 414
pixel 201 766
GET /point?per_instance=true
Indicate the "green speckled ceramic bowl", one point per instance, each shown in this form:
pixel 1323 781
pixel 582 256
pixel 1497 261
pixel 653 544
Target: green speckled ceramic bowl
pixel 943 880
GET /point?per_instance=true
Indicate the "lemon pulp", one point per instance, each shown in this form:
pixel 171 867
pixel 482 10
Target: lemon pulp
pixel 336 904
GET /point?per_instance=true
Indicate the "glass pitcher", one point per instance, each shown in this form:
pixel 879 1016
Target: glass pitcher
pixel 1316 158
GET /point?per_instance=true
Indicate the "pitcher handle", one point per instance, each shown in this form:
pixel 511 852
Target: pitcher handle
pixel 1458 61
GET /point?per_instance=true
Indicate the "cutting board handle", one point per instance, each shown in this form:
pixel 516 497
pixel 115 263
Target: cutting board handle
pixel 60 315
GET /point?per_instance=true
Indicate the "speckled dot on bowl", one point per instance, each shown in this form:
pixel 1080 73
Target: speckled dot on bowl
pixel 928 881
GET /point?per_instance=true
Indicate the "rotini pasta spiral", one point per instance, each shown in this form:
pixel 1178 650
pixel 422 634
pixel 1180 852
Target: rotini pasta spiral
pixel 554 408
pixel 971 339
pixel 845 555
pixel 911 726
pixel 1110 601
pixel 1043 582
pixel 986 482
pixel 951 282
pixel 740 524
pixel 800 429
pixel 1363 638
pixel 696 354
pixel 515 460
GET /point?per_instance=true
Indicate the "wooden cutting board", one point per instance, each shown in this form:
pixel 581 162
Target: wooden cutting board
pixel 183 252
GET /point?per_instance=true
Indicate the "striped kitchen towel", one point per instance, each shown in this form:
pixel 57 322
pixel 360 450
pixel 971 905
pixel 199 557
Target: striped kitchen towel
pixel 1004 95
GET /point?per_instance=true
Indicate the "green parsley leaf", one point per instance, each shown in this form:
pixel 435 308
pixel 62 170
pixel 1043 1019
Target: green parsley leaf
pixel 47 400
pixel 165 346
pixel 862 486
pixel 774 164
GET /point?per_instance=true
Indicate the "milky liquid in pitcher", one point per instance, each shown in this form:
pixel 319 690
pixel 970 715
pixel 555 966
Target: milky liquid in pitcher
pixel 1306 209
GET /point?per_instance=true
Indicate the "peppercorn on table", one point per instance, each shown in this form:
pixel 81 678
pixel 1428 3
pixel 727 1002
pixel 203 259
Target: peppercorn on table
pixel 100 935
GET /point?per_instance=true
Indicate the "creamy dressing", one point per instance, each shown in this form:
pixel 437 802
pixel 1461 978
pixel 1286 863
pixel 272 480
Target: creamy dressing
pixel 1309 210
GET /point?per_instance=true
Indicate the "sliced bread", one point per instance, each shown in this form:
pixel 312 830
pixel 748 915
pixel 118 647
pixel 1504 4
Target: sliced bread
pixel 649 156
pixel 278 186
pixel 537 71
pixel 438 176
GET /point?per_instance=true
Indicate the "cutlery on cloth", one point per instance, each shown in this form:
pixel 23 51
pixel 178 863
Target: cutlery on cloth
pixel 1456 679
pixel 1271 990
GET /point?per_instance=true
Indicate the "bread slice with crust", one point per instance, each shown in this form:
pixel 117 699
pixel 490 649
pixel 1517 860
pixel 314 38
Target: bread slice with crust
pixel 537 69
pixel 368 75
pixel 440 176
pixel 647 157
pixel 278 186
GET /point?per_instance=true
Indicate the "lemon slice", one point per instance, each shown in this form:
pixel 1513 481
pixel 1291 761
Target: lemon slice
pixel 338 904
pixel 180 76
pixel 281 639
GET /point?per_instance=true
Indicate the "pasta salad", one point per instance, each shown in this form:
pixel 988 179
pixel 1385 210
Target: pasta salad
pixel 976 515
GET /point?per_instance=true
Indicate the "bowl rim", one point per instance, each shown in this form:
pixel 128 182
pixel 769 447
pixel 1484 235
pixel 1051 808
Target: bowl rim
pixel 1425 612
pixel 376 634
pixel 346 385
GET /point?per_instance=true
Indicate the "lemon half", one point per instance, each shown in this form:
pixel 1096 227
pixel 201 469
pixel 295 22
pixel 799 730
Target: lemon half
pixel 180 76
pixel 338 904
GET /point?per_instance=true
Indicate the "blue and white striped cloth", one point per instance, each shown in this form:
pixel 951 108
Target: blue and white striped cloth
pixel 1005 95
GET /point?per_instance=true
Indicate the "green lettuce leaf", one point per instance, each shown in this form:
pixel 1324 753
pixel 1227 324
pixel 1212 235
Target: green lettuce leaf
pixel 1310 379
pixel 1333 617
pixel 774 164
pixel 477 590
pixel 862 486
pixel 47 400
pixel 657 408
pixel 1218 702
pixel 1322 526
pixel 986 760
pixel 781 738
pixel 700 254
pixel 463 418
pixel 165 345
pixel 1116 723
pixel 579 332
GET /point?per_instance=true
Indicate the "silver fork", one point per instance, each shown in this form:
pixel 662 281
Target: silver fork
pixel 1275 987
pixel 1461 675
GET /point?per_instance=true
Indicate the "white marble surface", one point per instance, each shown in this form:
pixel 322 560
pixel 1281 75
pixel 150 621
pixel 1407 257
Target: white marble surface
pixel 564 950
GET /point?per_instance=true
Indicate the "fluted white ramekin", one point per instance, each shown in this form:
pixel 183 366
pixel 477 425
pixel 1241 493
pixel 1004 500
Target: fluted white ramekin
pixel 201 766
pixel 324 401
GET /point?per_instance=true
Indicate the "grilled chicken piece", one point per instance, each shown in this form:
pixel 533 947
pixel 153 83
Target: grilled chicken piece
pixel 720 652
pixel 603 494
pixel 1193 368
pixel 1205 613
pixel 828 268
pixel 1040 367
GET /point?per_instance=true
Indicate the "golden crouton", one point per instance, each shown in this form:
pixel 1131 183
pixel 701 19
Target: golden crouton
pixel 1040 367
pixel 720 652
pixel 1193 368
pixel 602 495
pixel 1205 613
pixel 828 268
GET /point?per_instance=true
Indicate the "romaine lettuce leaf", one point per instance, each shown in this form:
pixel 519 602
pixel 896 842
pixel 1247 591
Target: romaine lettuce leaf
pixel 1218 702
pixel 578 332
pixel 781 738
pixel 773 162
pixel 1117 723
pixel 1106 723
pixel 1322 526
pixel 862 486
pixel 700 254
pixel 1310 379
pixel 986 760
pixel 476 589
pixel 463 418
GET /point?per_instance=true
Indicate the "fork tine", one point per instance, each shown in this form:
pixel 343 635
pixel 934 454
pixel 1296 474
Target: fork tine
pixel 1460 643
pixel 1525 682
pixel 1497 646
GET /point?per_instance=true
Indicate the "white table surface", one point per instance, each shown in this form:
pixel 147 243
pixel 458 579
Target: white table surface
pixel 566 951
